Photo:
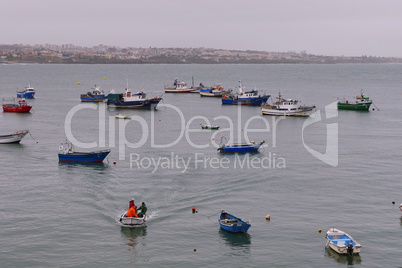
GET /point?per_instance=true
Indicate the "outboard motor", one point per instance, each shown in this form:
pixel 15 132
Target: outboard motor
pixel 350 249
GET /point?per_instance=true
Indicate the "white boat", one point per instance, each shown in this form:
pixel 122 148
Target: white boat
pixel 132 221
pixel 342 242
pixel 286 107
pixel 123 116
pixel 178 87
pixel 14 137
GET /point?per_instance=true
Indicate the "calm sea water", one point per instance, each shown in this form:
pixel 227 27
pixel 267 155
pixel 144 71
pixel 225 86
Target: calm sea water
pixel 65 215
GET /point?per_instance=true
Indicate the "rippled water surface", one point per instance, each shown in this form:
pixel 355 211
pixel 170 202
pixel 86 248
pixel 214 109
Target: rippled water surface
pixel 66 215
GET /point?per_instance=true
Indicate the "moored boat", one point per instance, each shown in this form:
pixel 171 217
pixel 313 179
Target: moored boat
pixel 178 87
pixel 232 223
pixel 14 137
pixel 129 100
pixel 214 91
pixel 67 154
pixel 123 116
pixel 286 107
pixel 360 103
pixel 28 92
pixel 96 95
pixel 240 147
pixel 245 97
pixel 209 126
pixel 22 106
pixel 342 242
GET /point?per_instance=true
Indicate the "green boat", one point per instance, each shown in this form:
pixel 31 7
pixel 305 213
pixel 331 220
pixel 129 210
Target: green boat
pixel 361 103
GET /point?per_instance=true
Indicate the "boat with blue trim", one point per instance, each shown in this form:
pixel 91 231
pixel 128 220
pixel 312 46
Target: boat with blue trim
pixel 214 91
pixel 245 97
pixel 96 95
pixel 232 223
pixel 27 93
pixel 129 100
pixel 342 242
pixel 240 147
pixel 67 154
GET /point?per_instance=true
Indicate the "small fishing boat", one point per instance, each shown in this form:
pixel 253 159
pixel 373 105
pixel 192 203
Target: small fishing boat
pixel 96 95
pixel 28 92
pixel 21 107
pixel 129 100
pixel 14 137
pixel 132 221
pixel 123 116
pixel 67 154
pixel 240 147
pixel 360 103
pixel 214 91
pixel 232 223
pixel 245 97
pixel 179 87
pixel 342 242
pixel 209 126
pixel 286 107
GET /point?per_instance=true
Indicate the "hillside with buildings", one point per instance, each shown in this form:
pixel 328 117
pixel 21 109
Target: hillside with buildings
pixel 103 54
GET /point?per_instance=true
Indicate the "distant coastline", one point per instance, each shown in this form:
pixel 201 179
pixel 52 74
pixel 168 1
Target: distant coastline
pixel 102 54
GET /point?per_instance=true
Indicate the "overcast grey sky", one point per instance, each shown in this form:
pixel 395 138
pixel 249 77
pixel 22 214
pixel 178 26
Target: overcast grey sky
pixel 324 27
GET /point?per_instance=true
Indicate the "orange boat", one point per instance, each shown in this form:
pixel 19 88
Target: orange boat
pixel 21 107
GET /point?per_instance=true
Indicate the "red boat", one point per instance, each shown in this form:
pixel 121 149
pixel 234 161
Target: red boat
pixel 21 107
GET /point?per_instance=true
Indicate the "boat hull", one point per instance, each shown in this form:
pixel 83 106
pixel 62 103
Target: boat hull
pixel 245 101
pixel 339 241
pixel 305 112
pixel 172 90
pixel 91 157
pixel 132 221
pixel 240 148
pixel 233 224
pixel 354 106
pixel 16 108
pixel 87 98
pixel 140 104
pixel 26 95
pixel 13 138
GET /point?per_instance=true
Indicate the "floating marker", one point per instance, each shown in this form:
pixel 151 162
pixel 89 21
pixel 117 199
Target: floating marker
pixel 319 230
pixel 104 78
pixel 195 249
pixel 114 162
pixel 194 210
pixel 78 83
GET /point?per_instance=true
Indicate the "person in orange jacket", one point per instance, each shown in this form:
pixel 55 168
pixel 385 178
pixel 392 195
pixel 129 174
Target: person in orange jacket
pixel 132 212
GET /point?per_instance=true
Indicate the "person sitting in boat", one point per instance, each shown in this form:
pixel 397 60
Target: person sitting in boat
pixel 131 203
pixel 143 209
pixel 131 212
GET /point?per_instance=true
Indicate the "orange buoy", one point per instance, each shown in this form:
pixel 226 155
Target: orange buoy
pixel 194 210
pixel 195 249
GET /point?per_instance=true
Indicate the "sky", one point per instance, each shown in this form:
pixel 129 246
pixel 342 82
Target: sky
pixel 321 27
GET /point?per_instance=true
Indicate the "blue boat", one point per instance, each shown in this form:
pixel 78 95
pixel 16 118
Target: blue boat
pixel 232 223
pixel 96 95
pixel 240 147
pixel 245 97
pixel 67 154
pixel 130 100
pixel 27 93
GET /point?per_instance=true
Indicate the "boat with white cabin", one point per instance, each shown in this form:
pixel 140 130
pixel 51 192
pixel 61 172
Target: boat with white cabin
pixel 243 97
pixel 286 107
